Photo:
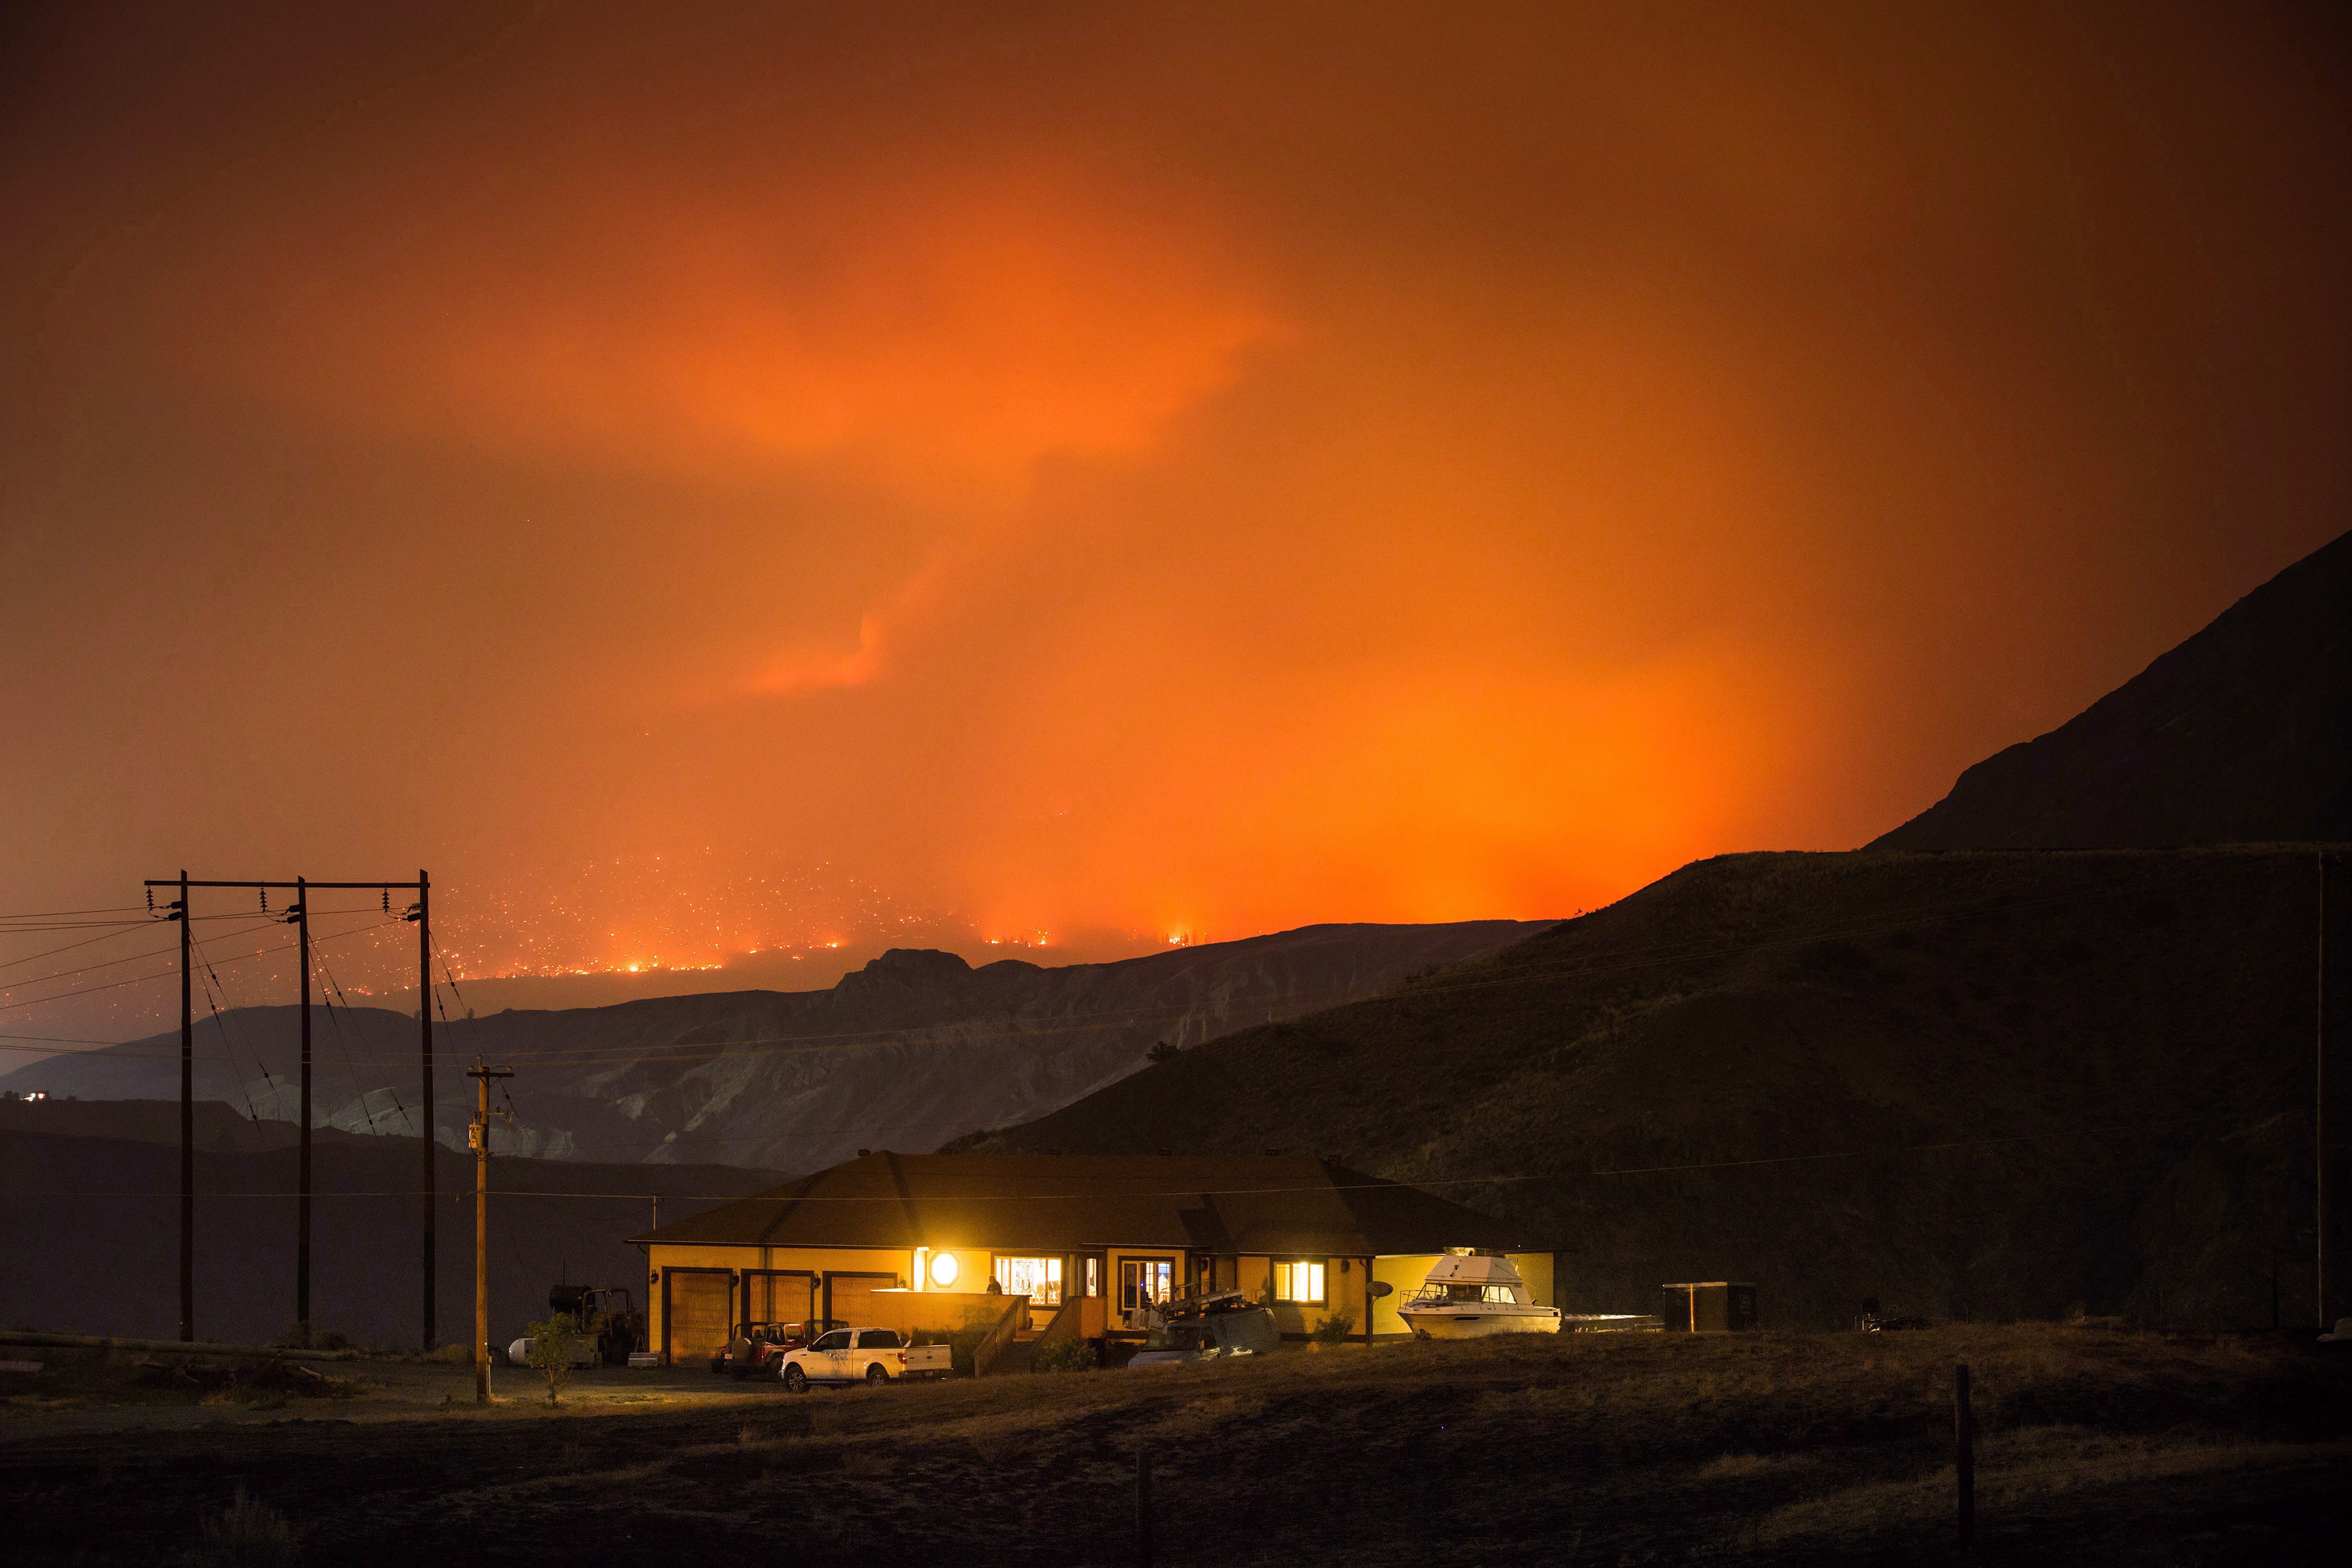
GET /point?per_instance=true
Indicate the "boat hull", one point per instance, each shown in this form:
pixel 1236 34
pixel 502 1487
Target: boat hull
pixel 1478 1323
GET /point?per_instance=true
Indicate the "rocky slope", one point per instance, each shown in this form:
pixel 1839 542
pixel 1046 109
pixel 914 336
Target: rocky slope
pixel 912 1050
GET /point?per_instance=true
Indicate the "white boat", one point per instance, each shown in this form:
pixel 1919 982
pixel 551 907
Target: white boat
pixel 1468 1296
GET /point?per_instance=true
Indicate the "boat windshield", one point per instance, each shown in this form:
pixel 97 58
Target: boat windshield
pixel 1457 1295
pixel 1181 1337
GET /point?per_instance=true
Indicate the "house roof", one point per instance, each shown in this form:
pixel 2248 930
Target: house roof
pixel 1070 1203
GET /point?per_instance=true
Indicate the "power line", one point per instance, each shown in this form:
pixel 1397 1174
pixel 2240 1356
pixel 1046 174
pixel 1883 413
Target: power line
pixel 167 975
pixel 335 985
pixel 213 982
pixel 46 914
pixel 108 964
pixel 1562 1176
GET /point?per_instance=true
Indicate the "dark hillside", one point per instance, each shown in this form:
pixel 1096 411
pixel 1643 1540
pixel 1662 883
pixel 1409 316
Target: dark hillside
pixel 89 1231
pixel 2240 735
pixel 1984 1084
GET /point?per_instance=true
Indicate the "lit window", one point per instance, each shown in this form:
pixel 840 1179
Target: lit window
pixel 1299 1283
pixel 1039 1278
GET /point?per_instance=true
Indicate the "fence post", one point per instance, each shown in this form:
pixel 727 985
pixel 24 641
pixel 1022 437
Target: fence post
pixel 1142 1508
pixel 1964 1457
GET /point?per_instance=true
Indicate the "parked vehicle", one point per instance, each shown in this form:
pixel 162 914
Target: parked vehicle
pixel 845 1356
pixel 606 1328
pixel 1207 1328
pixel 1469 1295
pixel 754 1347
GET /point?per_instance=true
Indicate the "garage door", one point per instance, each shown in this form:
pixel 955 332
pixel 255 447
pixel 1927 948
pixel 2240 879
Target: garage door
pixel 698 1321
pixel 853 1295
pixel 779 1297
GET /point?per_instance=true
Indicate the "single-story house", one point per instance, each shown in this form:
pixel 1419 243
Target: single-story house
pixel 922 1241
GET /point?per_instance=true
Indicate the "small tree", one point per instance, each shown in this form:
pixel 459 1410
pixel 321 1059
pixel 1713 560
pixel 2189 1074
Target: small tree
pixel 1164 1052
pixel 550 1351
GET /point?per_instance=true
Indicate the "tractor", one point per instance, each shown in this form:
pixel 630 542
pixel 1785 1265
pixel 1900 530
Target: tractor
pixel 602 1316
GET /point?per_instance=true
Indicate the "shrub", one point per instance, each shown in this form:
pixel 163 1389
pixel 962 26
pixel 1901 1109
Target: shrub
pixel 1064 1355
pixel 248 1533
pixel 550 1351
pixel 1334 1329
pixel 1164 1052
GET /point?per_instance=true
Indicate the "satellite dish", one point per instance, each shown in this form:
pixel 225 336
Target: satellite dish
pixel 1382 1287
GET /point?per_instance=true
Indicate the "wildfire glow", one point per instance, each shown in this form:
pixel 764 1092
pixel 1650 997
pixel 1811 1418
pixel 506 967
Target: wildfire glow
pixel 751 493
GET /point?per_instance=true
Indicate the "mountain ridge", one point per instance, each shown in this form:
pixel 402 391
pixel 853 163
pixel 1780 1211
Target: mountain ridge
pixel 2242 734
pixel 911 1050
pixel 1985 1084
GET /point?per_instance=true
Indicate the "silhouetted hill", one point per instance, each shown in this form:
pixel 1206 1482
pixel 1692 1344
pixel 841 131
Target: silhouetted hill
pixel 1981 1084
pixel 2240 735
pixel 89 1230
pixel 911 1050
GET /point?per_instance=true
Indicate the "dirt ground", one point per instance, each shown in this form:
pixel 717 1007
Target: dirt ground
pixel 2095 1446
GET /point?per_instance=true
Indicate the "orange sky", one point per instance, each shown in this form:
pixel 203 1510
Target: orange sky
pixel 1004 471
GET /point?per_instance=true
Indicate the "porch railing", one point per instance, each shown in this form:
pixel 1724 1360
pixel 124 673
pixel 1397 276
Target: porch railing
pixel 984 1356
pixel 1066 1324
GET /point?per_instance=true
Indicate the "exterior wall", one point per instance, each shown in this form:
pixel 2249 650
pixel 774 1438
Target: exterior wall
pixel 972 1264
pixel 895 1262
pixel 1402 1274
pixel 1536 1269
pixel 1343 1291
pixel 942 1311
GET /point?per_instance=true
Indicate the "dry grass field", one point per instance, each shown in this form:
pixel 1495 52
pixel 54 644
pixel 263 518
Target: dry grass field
pixel 2096 1445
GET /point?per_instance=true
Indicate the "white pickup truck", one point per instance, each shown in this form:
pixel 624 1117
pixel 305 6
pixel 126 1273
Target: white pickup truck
pixel 860 1355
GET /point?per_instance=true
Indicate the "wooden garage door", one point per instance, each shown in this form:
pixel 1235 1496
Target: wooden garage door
pixel 852 1295
pixel 699 1320
pixel 774 1297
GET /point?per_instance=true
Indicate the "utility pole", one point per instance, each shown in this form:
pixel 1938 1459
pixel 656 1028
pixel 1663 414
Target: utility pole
pixel 482 1076
pixel 299 914
pixel 1964 1457
pixel 422 915
pixel 2319 1104
pixel 300 917
pixel 187 1127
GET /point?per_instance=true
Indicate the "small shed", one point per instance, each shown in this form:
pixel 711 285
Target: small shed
pixel 1710 1307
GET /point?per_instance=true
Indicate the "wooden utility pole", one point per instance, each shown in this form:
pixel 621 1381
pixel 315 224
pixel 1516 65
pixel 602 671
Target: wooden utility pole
pixel 2319 1106
pixel 481 1141
pixel 300 917
pixel 299 914
pixel 1964 1457
pixel 187 1127
pixel 422 916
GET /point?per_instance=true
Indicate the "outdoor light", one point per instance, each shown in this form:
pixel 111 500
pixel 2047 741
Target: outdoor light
pixel 943 1270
